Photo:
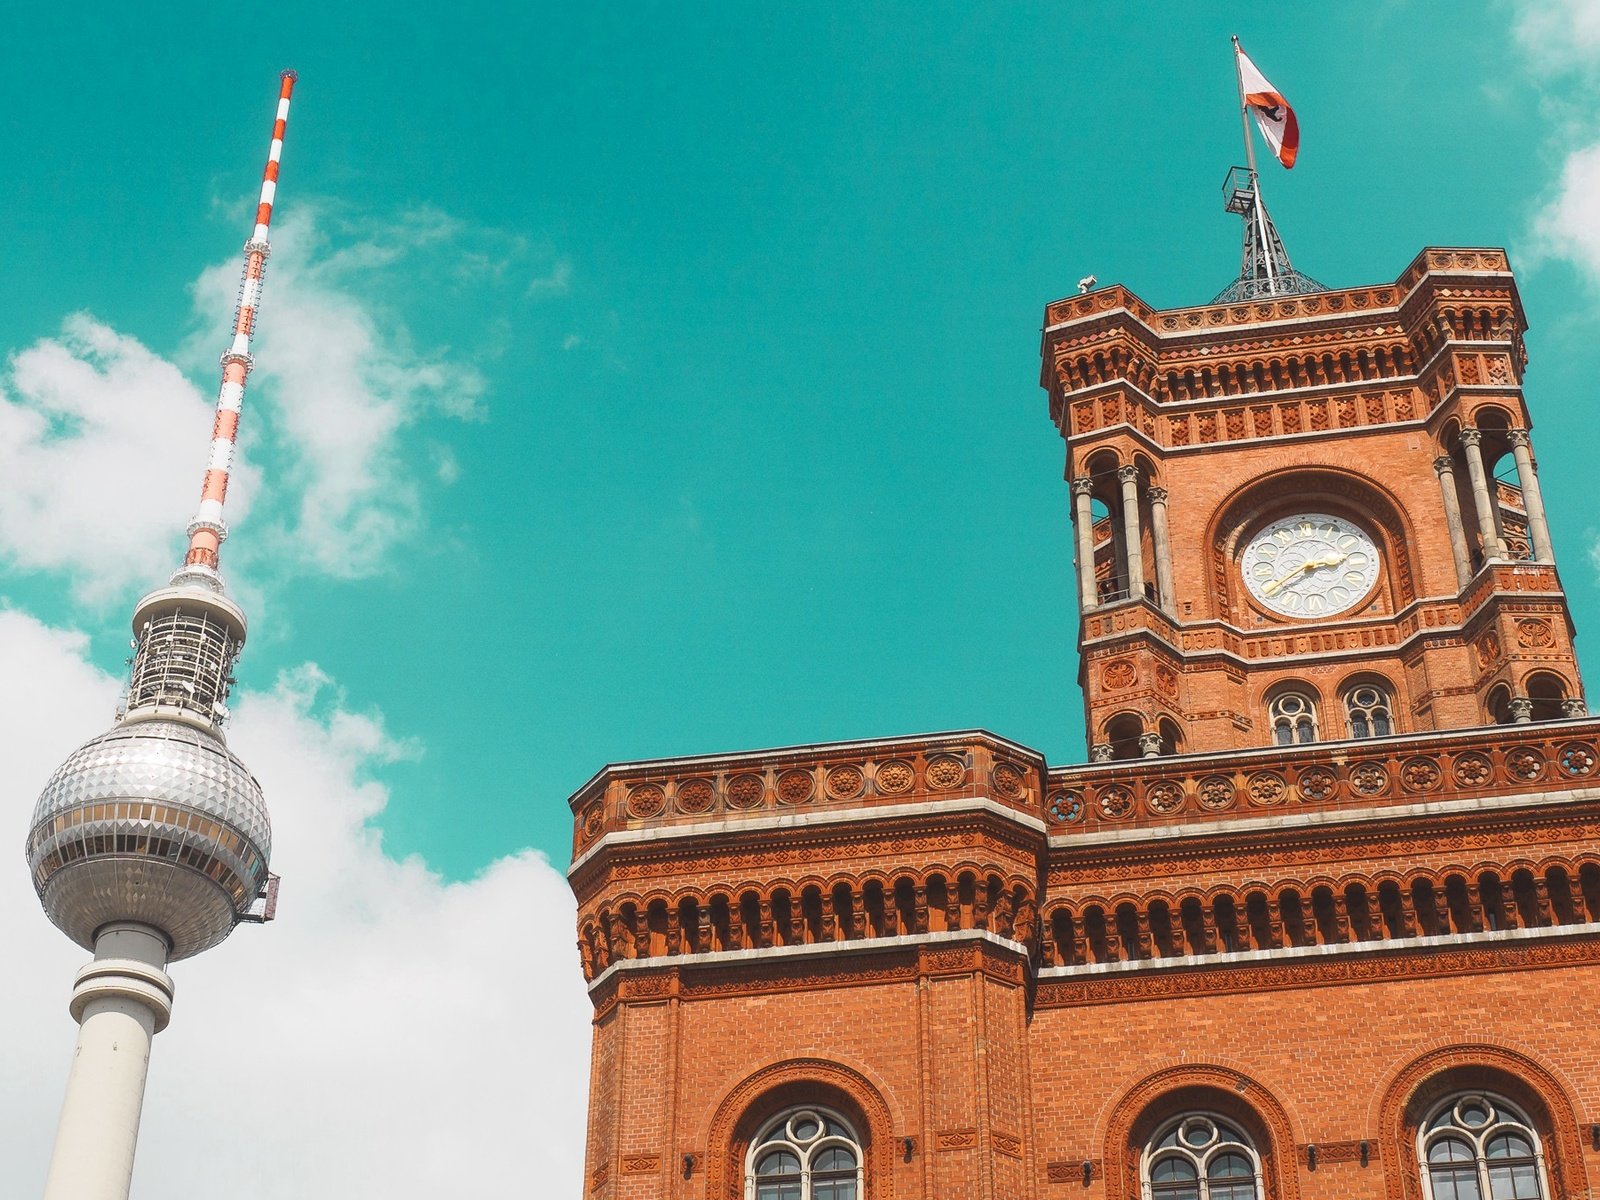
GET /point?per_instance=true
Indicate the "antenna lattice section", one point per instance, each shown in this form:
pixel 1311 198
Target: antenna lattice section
pixel 1265 269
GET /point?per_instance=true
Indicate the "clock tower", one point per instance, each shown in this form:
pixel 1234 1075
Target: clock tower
pixel 1317 933
pixel 1308 517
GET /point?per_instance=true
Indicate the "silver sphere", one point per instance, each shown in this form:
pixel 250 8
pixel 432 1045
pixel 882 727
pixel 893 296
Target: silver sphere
pixel 156 822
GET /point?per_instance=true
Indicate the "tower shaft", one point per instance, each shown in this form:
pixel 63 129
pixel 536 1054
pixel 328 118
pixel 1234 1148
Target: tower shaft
pixel 122 1000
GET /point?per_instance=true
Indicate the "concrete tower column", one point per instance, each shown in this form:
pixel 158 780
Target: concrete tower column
pixel 1532 499
pixel 1158 530
pixel 1471 440
pixel 121 1001
pixel 1446 467
pixel 1131 537
pixel 1083 522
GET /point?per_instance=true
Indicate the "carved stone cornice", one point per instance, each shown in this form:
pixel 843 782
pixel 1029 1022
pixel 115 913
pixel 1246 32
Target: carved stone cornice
pixel 1319 971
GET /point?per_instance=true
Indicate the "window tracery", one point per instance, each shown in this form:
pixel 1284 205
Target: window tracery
pixel 1199 1156
pixel 805 1154
pixel 1293 715
pixel 1479 1147
pixel 1370 711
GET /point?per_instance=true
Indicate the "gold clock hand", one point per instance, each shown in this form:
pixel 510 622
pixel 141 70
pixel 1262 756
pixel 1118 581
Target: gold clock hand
pixel 1305 568
pixel 1277 585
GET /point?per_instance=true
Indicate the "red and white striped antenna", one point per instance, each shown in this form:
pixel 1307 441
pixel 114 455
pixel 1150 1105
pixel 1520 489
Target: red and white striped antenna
pixel 208 530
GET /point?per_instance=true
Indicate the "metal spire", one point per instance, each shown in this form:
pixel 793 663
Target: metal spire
pixel 208 530
pixel 1265 269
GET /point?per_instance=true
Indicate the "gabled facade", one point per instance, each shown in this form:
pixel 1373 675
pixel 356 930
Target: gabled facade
pixel 1316 920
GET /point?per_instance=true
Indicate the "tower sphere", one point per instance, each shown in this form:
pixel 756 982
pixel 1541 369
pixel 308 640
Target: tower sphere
pixel 156 821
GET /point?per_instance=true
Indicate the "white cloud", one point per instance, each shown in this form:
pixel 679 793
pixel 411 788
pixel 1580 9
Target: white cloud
pixel 1559 35
pixel 1560 43
pixel 102 446
pixel 390 1035
pixel 557 283
pixel 103 441
pixel 1567 224
pixel 344 382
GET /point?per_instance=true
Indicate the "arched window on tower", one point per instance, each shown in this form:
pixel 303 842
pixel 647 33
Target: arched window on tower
pixel 805 1154
pixel 1293 716
pixel 1477 1146
pixel 1199 1156
pixel 1369 709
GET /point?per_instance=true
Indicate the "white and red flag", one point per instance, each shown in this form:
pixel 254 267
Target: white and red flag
pixel 1272 111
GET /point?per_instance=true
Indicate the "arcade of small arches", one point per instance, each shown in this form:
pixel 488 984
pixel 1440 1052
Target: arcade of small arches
pixel 845 909
pixel 1260 373
pixel 1347 911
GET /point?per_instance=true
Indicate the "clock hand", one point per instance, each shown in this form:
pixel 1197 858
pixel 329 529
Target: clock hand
pixel 1304 569
pixel 1277 585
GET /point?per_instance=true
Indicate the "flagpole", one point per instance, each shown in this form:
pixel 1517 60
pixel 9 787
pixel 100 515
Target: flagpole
pixel 1250 159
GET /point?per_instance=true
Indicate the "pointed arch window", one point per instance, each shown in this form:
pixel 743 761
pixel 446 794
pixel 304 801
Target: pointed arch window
pixel 1370 711
pixel 805 1154
pixel 1293 715
pixel 1199 1156
pixel 1479 1147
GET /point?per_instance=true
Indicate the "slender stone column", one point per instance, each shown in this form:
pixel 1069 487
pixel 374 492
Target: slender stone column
pixel 1158 529
pixel 1532 500
pixel 1446 467
pixel 1131 537
pixel 1083 522
pixel 1471 440
pixel 121 1001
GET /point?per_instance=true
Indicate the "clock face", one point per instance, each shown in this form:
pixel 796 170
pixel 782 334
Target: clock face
pixel 1310 565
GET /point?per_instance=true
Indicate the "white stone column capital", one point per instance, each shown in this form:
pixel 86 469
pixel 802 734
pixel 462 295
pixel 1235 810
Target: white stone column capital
pixel 1128 474
pixel 1082 485
pixel 1158 495
pixel 1471 436
pixel 1444 465
pixel 1521 710
pixel 1100 752
pixel 1150 745
pixel 1517 436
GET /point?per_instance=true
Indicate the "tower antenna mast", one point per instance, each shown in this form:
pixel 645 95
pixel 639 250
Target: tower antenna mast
pixel 152 841
pixel 208 530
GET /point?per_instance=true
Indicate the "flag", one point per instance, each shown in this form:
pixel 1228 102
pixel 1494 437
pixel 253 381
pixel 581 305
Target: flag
pixel 1271 110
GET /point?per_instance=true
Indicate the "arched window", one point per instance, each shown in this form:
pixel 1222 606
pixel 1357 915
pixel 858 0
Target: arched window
pixel 1369 709
pixel 1478 1147
pixel 804 1154
pixel 1294 718
pixel 1200 1157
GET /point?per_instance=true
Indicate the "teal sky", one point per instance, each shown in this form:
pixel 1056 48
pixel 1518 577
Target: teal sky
pixel 746 302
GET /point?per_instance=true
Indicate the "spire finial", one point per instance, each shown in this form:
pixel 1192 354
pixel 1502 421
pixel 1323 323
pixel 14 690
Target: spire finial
pixel 208 530
pixel 1265 269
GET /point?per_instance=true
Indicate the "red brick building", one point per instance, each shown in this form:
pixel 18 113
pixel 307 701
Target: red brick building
pixel 1316 921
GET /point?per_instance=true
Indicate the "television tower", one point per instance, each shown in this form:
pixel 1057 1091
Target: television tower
pixel 151 842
